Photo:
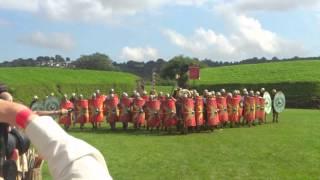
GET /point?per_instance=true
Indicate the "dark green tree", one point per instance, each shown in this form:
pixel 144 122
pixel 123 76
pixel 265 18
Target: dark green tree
pixel 96 61
pixel 179 65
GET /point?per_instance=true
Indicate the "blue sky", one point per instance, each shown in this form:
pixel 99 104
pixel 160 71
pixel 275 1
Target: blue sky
pixel 144 30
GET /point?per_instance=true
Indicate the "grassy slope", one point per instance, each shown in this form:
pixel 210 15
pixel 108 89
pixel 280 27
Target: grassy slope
pixel 293 71
pixel 288 150
pixel 25 82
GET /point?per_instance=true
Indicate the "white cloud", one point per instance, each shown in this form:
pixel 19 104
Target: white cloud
pixel 270 5
pixel 139 53
pixel 24 5
pixel 247 39
pixel 58 41
pixel 92 10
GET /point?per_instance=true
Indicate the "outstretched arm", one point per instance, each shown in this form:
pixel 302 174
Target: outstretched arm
pixel 68 157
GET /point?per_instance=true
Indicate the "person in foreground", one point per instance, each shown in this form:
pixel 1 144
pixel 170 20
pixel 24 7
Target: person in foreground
pixel 68 157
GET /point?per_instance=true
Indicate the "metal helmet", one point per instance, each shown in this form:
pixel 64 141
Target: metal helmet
pixel 111 91
pixel 124 94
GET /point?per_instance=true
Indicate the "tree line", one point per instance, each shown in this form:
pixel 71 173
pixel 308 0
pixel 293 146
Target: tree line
pixel 166 70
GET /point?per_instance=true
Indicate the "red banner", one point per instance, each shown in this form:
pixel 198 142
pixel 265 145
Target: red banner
pixel 194 72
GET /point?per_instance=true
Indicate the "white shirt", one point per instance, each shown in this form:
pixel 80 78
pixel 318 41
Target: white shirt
pixel 68 157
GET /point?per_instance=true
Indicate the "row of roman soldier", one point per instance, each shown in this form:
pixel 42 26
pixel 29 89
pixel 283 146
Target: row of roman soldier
pixel 183 110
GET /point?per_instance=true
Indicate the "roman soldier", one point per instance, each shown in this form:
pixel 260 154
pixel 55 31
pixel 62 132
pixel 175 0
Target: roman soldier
pixel 96 111
pixel 188 114
pixel 152 108
pixel 250 107
pixel 212 111
pixel 199 111
pixel 222 106
pixel 243 100
pixel 66 119
pixel 138 114
pixel 125 110
pixel 73 99
pixel 162 100
pixel 234 114
pixel 229 106
pixel 145 96
pixel 170 118
pixel 261 104
pixel 111 109
pixel 34 100
pixel 275 114
pixel 82 111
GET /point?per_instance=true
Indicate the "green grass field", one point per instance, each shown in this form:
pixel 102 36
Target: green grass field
pixel 286 150
pixel 292 71
pixel 26 82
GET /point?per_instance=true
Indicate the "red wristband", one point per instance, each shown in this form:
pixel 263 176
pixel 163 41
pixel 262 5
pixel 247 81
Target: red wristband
pixel 22 117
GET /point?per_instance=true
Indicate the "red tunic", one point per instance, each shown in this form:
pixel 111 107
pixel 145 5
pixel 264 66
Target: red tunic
pixel 188 112
pixel 212 112
pixel 222 106
pixel 199 110
pixel 66 118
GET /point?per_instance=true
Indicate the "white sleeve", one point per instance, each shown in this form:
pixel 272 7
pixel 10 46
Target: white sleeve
pixel 68 157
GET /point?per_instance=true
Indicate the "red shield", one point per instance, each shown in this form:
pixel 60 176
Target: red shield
pixel 212 112
pixel 222 106
pixel 111 108
pixel 125 105
pixel 170 118
pixel 241 105
pixel 83 112
pixel 260 113
pixel 138 114
pixel 152 113
pixel 188 113
pixel 234 113
pixel 199 110
pixel 96 110
pixel 145 97
pixel 66 118
pixel 250 108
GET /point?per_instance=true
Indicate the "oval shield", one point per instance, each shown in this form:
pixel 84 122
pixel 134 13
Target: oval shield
pixel 52 104
pixel 279 102
pixel 37 106
pixel 267 102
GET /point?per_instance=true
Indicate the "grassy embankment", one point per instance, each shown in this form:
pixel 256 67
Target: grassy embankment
pixel 300 80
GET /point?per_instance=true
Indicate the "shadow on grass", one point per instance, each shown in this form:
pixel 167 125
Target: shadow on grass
pixel 135 132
